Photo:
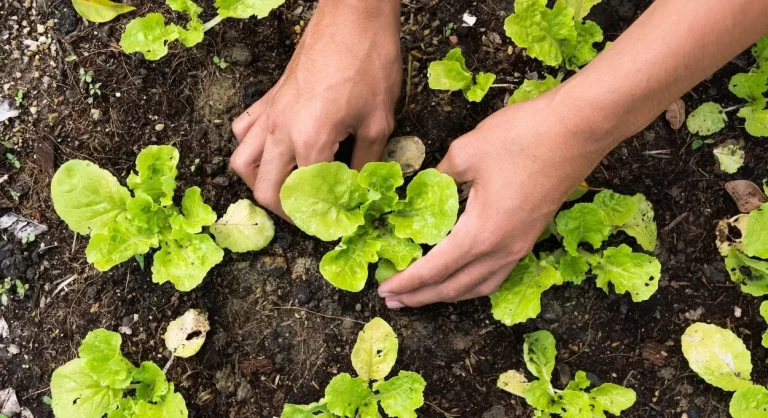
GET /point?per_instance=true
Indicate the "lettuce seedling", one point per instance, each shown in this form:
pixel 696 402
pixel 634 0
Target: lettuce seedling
pixel 373 358
pixel 331 201
pixel 150 35
pixel 575 400
pixel 534 88
pixel 519 297
pixel 557 37
pixel 720 357
pixel 451 74
pixel 101 382
pixel 745 256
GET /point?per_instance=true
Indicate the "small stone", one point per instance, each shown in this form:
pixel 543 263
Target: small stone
pixel 71 95
pixel 96 114
pixel 216 166
pixel 238 54
pixel 13 349
pixel 52 118
pixel 358 307
pixel 159 127
pixel 33 110
pixel 737 312
pixel 221 181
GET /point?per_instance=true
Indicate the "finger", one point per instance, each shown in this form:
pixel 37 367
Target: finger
pixel 247 156
pixel 490 286
pixel 243 123
pixel 276 164
pixel 369 145
pixel 456 163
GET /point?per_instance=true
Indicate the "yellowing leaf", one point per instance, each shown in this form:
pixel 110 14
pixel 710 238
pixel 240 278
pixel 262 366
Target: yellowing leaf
pixel 100 11
pixel 718 356
pixel 375 352
pixel 513 382
pixel 730 156
pixel 245 227
pixel 186 334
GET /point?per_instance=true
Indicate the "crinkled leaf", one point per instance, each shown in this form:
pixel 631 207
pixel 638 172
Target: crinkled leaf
pixel 87 197
pixel 100 11
pixel 539 395
pixel 186 334
pixel 324 200
pixel 450 73
pixel 718 356
pixel 381 179
pixel 584 222
pixel 430 210
pixel 581 51
pixel 618 209
pixel 400 251
pixel 750 87
pixel 118 243
pixel 345 394
pixel 519 297
pixel 751 402
pixel 401 395
pixel 196 214
pixel 642 226
pixel 147 216
pixel 569 403
pixel 192 35
pixel 243 9
pixel 185 6
pixel 101 355
pixel 706 119
pixel 346 266
pixel 756 120
pixel 581 8
pixel 75 392
pixel 513 382
pixel 125 409
pixel 313 410
pixel 573 268
pixel 156 177
pixel 613 398
pixel 631 272
pixel 185 262
pixel 539 353
pixel 149 35
pixel 751 274
pixel 384 270
pixel 172 407
pixel 245 227
pixel 375 351
pixel 579 382
pixel 730 157
pixel 533 88
pixel 152 383
pixel 541 30
pixel 478 90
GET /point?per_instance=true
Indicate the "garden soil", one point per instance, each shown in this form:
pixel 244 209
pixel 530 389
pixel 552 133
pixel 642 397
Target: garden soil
pixel 279 332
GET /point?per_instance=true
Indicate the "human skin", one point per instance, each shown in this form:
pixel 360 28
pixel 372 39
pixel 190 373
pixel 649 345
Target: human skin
pixel 341 82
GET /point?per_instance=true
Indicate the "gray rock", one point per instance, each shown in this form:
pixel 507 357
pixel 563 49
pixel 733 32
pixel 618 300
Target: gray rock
pixel 221 181
pixel 216 166
pixel 244 391
pixel 497 411
pixel 238 54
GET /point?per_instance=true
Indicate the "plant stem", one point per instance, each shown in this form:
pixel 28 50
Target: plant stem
pixel 168 365
pixel 213 22
pixel 732 108
pixel 503 85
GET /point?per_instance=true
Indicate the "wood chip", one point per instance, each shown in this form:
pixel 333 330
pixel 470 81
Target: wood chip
pixel 676 114
pixel 655 353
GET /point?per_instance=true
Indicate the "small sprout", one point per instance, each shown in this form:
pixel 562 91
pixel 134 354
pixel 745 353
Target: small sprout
pixel 194 165
pixel 15 195
pixel 140 259
pixel 47 400
pixel 12 158
pixel 21 288
pixel 220 62
pixel 19 97
pixel 26 239
pixel 698 143
pixel 186 334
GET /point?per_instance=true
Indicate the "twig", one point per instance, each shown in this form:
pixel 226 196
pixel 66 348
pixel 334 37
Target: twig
pixel 168 365
pixel 446 414
pixel 674 222
pixel 318 313
pixel 63 285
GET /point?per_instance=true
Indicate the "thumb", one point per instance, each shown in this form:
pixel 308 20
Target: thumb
pixel 456 163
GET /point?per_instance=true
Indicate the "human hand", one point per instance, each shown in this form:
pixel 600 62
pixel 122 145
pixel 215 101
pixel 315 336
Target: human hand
pixel 344 78
pixel 523 162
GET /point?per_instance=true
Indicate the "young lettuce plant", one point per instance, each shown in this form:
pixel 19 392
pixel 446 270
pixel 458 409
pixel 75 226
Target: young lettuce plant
pixel 451 74
pixel 150 35
pixel 373 357
pixel 331 201
pixel 719 357
pixel 101 382
pixel 519 297
pixel 745 256
pixel 575 400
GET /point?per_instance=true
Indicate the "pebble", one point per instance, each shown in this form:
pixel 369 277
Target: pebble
pixel 96 114
pixel 159 127
pixel 358 307
pixel 221 181
pixel 216 166
pixel 737 312
pixel 238 54
pixel 13 349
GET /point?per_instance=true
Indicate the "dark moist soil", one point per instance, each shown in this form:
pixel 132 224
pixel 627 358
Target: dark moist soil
pixel 279 331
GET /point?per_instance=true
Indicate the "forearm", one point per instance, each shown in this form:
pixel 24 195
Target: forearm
pixel 672 47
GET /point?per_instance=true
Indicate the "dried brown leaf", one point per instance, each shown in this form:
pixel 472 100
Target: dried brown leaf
pixel 747 195
pixel 676 114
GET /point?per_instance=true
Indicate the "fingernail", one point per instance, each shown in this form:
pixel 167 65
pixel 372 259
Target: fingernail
pixel 392 304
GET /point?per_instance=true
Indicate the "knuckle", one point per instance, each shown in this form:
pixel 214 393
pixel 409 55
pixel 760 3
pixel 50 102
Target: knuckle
pixel 448 293
pixel 240 127
pixel 238 162
pixel 266 199
pixel 488 289
pixel 274 122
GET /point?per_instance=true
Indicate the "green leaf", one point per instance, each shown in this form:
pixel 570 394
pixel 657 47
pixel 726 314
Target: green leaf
pixel 582 50
pixel 385 270
pixel 750 87
pixel 346 266
pixel 584 222
pixel 146 216
pixel 756 120
pixel 519 297
pixel 635 273
pixel 172 407
pixel 618 209
pixel 126 408
pixel 613 398
pixel 569 403
pixel 581 8
pixel 345 394
pixel 579 382
pixel 185 262
pixel 400 251
pixel 245 227
pixel 313 410
pixel 539 395
pixel 381 179
pixel 642 226
pixel 478 90
pixel 87 197
pixel 764 314
pixel 751 274
pixel 573 268
pixel 450 73
pixel 118 243
pixel 730 157
pixel 243 9
pixel 156 166
pixel 76 393
pixel 541 30
pixel 533 88
pixel 185 6
pixel 100 11
pixel 196 214
pixel 402 395
pixel 539 353
pixel 375 351
pixel 756 234
pixel 760 51
pixel 149 35
pixel 192 35
pixel 750 402
pixel 430 210
pixel 718 356
pixel 324 200
pixel 706 119
pixel 513 382
pixel 152 383
pixel 101 355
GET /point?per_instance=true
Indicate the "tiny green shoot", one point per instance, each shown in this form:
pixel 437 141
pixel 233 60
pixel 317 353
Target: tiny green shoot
pixel 19 97
pixel 12 158
pixel 220 63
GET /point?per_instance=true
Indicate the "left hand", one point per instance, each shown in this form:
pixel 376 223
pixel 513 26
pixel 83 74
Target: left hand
pixel 523 162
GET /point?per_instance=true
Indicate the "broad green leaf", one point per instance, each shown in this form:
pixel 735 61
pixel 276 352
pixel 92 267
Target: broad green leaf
pixel 613 398
pixel 185 6
pixel 324 200
pixel 579 382
pixel 513 382
pixel 172 407
pixel 75 393
pixel 87 197
pixel 186 334
pixel 375 351
pixel 750 87
pixel 450 73
pixel 185 262
pixel 385 270
pixel 764 314
pixel 751 274
pixel 478 90
pixel 581 8
pixel 430 210
pixel 519 297
pixel 345 394
pixel 126 408
pixel 584 222
pixel 156 166
pixel 581 51
pixel 152 383
pixel 539 353
pixel 100 11
pixel 569 403
pixel 756 120
pixel 243 9
pixel 346 266
pixel 401 395
pixel 381 177
pixel 751 402
pixel 755 237
pixel 718 356
pixel 539 395
pixel 635 273
pixel 642 226
pixel 706 119
pixel 245 227
pixel 730 157
pixel 101 355
pixel 149 35
pixel 313 410
pixel 121 241
pixel 456 56
pixel 147 216
pixel 541 30
pixel 400 251
pixel 618 209
pixel 196 214
pixel 760 52
pixel 192 35
pixel 573 268
pixel 533 88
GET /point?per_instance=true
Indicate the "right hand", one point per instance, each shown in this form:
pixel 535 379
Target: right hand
pixel 344 79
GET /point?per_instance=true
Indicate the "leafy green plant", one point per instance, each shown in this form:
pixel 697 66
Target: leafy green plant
pixel 86 77
pixel 745 252
pixel 519 297
pixel 19 98
pixel 751 86
pixel 698 143
pixel 102 382
pixel 7 286
pixel 13 160
pixel 150 35
pixel 451 74
pixel 373 358
pixel 719 357
pixel 331 201
pixel 92 202
pixel 220 63
pixel 575 400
